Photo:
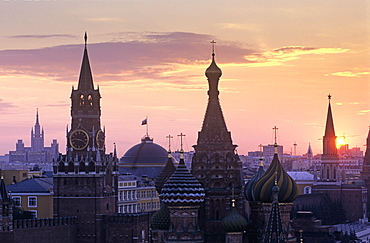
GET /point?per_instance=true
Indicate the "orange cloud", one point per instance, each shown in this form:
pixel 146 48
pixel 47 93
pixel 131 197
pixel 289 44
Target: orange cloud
pixel 349 74
pixel 279 56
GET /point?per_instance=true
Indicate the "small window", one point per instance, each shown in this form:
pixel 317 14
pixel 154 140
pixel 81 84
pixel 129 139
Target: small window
pixel 33 214
pixel 32 201
pixel 307 190
pixel 17 201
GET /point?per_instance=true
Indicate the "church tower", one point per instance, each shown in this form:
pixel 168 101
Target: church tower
pixel 85 178
pixel 37 136
pixel 215 163
pixel 329 160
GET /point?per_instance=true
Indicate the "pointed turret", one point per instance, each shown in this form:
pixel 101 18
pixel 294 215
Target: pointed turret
pixel 329 159
pixel 329 145
pixel 85 81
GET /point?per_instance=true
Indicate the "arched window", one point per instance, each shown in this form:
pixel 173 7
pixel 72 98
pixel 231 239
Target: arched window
pixel 89 100
pixel 82 99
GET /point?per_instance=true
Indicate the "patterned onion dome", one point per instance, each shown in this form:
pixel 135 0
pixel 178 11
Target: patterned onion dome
pixel 213 70
pixel 248 189
pixel 161 219
pixel 263 188
pixel 234 222
pixel 182 188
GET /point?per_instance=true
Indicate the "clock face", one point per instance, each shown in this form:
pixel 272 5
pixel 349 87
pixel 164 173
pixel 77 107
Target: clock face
pixel 79 139
pixel 100 139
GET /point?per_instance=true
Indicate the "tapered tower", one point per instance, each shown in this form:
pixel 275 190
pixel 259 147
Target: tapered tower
pixel 85 178
pixel 329 160
pixel 37 136
pixel 215 163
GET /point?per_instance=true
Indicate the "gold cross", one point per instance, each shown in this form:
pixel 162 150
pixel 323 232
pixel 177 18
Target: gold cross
pixel 169 142
pixel 213 42
pixel 181 135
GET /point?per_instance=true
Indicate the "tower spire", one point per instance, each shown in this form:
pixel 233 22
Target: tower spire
pixel 37 115
pixel 85 81
pixel 329 136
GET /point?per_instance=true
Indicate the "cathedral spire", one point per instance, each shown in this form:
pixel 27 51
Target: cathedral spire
pixel 85 81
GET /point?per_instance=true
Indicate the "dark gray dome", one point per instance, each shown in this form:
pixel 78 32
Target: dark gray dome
pixel 146 153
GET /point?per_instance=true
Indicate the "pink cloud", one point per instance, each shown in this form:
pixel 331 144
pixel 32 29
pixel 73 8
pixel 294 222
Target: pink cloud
pixel 145 58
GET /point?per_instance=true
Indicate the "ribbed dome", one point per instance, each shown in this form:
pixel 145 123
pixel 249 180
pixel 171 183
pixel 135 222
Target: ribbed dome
pixel 161 219
pixel 263 188
pixel 182 188
pixel 234 222
pixel 146 153
pixel 213 70
pixel 248 189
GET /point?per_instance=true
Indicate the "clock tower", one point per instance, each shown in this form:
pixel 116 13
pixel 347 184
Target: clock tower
pixel 85 138
pixel 85 178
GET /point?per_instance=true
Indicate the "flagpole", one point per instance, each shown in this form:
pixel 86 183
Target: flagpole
pixel 147 132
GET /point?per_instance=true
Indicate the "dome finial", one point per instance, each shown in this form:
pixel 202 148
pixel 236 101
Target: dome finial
pixel 275 143
pixel 232 198
pixel 213 42
pixel 169 144
pixel 261 157
pixel 329 97
pixel 181 149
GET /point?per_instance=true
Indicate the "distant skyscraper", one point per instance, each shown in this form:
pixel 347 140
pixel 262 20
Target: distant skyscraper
pixel 216 164
pixel 37 153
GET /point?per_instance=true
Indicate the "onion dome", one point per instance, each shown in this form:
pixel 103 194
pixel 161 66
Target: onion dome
pixel 213 71
pixel 263 188
pixel 248 189
pixel 161 219
pixel 233 221
pixel 182 188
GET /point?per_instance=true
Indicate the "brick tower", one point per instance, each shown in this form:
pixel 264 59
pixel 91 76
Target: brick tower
pixel 85 178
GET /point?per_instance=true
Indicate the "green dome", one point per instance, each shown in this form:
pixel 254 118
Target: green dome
pixel 234 222
pixel 161 219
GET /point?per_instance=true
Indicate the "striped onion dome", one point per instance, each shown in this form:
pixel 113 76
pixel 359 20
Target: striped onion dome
pixel 233 221
pixel 182 188
pixel 161 219
pixel 262 190
pixel 248 189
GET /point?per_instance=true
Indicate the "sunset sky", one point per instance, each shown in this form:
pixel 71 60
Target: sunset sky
pixel 280 60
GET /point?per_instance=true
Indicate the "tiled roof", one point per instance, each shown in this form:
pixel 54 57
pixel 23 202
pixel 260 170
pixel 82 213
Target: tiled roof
pixel 38 185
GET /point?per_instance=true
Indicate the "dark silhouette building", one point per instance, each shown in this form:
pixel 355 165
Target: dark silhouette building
pixel 352 198
pixel 215 163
